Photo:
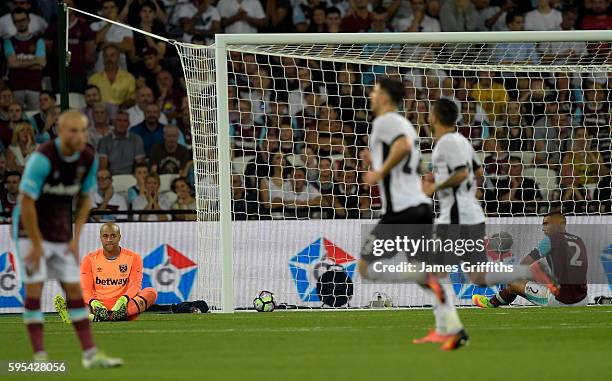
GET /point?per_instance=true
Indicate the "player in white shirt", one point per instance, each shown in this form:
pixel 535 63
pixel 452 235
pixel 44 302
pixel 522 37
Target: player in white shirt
pixel 394 158
pixel 456 170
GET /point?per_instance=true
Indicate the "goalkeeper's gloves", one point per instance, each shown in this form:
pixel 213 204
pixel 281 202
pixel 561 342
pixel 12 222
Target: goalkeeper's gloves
pixel 120 303
pixel 96 304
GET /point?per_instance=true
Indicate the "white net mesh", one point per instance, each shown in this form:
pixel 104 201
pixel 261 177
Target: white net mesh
pixel 537 114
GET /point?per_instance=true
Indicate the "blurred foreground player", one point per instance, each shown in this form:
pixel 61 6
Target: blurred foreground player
pixel 111 278
pixel 394 157
pixel 566 255
pixel 58 172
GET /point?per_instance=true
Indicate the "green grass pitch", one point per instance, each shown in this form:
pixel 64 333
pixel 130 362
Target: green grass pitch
pixel 506 344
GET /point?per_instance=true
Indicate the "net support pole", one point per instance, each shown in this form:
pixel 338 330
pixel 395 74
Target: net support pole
pixel 225 207
pixel 62 56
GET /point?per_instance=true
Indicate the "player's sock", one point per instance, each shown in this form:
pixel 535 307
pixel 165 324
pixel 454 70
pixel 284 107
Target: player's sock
pixel 33 319
pixel 502 298
pixel 393 277
pixel 80 320
pixel 520 272
pixel 141 302
pixel 449 318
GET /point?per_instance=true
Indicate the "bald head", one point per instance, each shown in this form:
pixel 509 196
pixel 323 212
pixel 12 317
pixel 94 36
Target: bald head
pixel 110 236
pixel 72 131
pixel 554 222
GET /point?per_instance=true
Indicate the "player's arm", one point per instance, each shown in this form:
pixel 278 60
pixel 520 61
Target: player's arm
pixel 36 171
pixel 456 178
pixel 87 280
pixel 135 278
pixel 542 250
pixel 400 147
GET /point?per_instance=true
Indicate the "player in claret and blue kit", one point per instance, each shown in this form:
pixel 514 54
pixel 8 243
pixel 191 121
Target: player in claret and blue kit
pixel 57 173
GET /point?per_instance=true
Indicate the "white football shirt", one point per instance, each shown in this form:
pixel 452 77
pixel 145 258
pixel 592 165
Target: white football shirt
pixel 401 188
pixel 458 205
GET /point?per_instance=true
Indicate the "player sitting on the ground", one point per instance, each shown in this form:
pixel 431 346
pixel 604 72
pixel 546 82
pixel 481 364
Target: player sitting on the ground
pixel 111 278
pixel 566 255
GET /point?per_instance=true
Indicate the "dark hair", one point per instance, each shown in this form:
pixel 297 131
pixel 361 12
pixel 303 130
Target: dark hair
pixel 445 111
pixel 393 87
pixel 331 10
pixel 183 179
pixel 140 165
pixel 49 93
pixel 18 11
pixel 379 10
pixel 12 173
pixel 148 4
pixel 89 87
pixel 512 15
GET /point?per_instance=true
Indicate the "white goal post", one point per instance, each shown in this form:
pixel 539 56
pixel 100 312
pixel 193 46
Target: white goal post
pixel 231 248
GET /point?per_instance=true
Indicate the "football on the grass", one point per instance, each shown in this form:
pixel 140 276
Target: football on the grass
pixel 264 302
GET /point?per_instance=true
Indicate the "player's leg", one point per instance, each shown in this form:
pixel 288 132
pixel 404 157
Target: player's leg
pixel 32 315
pixel 141 302
pixel 502 298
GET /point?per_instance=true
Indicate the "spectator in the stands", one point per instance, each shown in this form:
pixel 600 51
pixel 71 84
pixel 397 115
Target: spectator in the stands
pixel 317 20
pixel 152 200
pixel 598 17
pixel 549 135
pixel 244 132
pixel 544 17
pixel 170 157
pixel 584 167
pixel 141 170
pixel 359 19
pixel 21 147
pixel 520 134
pixel 533 98
pixel 82 46
pixel 184 199
pixel 104 199
pixel 199 17
pixel 2 169
pixel 130 13
pixel 470 125
pixel 120 150
pixel 271 186
pixel 45 120
pixel 333 20
pixel 101 126
pixel 15 116
pixel 9 193
pixel 150 130
pixel 148 23
pixel 595 111
pixel 26 58
pixel 491 95
pixel 458 16
pixel 488 17
pixel 116 85
pixel 183 121
pixel 144 97
pixel 516 53
pixel 36 24
pixel 348 195
pixel 93 96
pixel 170 96
pixel 418 21
pixel 246 16
pixel 107 33
pixel 497 168
pixel 522 193
pixel 146 71
pixel 279 14
pixel 298 195
pixel 6 98
pixel 302 14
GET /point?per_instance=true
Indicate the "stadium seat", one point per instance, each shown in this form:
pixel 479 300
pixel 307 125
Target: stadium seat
pixel 239 163
pixel 165 181
pixel 546 179
pixel 75 100
pixel 121 184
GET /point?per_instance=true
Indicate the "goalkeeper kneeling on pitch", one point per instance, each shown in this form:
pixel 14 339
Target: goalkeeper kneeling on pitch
pixel 111 278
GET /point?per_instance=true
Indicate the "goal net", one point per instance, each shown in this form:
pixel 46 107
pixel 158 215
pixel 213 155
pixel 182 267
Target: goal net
pixel 280 124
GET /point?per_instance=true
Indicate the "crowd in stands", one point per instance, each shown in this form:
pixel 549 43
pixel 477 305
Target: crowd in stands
pixel 299 127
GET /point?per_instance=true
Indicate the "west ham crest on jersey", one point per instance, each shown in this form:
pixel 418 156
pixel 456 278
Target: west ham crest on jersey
pixel 123 268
